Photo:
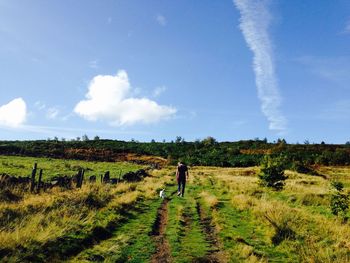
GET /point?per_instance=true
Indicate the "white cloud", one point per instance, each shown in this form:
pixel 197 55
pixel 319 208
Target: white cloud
pixel 161 20
pixel 52 113
pixel 14 113
pixel 109 98
pixel 254 24
pixel 158 90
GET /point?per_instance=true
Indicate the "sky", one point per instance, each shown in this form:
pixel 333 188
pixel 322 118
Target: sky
pixel 143 70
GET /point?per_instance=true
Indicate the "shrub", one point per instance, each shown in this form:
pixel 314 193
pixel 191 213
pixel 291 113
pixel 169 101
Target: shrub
pixel 339 201
pixel 300 167
pixel 337 185
pixel 272 172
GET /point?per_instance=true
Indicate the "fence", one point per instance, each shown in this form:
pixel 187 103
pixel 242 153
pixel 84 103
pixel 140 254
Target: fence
pixel 68 182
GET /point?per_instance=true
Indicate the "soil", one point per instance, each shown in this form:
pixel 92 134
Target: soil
pixel 214 254
pixel 162 254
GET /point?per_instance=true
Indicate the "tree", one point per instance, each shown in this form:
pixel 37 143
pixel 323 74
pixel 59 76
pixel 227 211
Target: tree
pixel 96 138
pixel 272 172
pixel 209 141
pixel 85 138
pixel 281 141
pixel 179 139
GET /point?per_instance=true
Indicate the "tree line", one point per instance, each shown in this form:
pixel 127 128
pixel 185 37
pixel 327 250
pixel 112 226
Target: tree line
pixel 206 152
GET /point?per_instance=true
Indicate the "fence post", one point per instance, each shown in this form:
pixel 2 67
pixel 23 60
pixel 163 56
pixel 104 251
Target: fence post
pixel 32 182
pixel 80 177
pixel 106 177
pixel 39 182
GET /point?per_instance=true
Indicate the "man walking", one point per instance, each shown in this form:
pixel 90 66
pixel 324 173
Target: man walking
pixel 181 175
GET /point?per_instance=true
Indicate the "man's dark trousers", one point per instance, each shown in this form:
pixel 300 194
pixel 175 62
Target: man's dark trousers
pixel 181 185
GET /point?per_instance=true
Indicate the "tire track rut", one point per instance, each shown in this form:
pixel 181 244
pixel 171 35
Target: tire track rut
pixel 162 254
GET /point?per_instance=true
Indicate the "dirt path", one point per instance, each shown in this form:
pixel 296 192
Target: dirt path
pixel 162 254
pixel 214 254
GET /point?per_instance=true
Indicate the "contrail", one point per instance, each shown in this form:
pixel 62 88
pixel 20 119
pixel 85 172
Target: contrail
pixel 254 24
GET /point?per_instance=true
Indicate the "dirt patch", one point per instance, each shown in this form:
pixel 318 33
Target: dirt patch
pixel 214 255
pixel 162 250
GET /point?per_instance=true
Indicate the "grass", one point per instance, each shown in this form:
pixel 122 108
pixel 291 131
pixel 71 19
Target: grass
pixel 22 166
pixel 225 215
pixel 295 224
pixel 130 242
pixel 59 224
pixel 186 238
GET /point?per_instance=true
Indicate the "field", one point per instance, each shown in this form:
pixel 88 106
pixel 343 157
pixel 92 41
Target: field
pixel 22 166
pixel 225 216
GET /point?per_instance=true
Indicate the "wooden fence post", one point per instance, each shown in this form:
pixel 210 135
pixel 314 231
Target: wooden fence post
pixel 106 178
pixel 40 178
pixel 32 182
pixel 80 178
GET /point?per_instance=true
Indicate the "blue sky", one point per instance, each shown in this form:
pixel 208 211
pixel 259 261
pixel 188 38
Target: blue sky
pixel 147 70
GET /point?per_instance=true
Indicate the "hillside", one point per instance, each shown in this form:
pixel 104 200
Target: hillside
pixel 207 152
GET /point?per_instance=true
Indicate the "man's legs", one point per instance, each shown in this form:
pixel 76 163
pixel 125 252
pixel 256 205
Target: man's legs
pixel 178 187
pixel 183 187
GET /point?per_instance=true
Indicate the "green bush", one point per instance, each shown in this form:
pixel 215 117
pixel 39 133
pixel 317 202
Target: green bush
pixel 339 186
pixel 272 172
pixel 300 167
pixel 339 201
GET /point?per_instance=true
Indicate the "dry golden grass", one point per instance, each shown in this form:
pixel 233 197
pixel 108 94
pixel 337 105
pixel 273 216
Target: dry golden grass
pixel 286 214
pixel 39 218
pixel 209 199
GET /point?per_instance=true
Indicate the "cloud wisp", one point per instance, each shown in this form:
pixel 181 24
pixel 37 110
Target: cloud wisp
pixel 109 98
pixel 14 113
pixel 158 91
pixel 254 24
pixel 161 20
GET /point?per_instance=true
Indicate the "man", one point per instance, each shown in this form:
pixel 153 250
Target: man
pixel 181 175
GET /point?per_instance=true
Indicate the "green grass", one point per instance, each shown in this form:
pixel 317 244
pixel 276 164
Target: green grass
pixel 58 224
pixel 242 235
pixel 184 232
pixel 22 166
pixel 112 223
pixel 131 242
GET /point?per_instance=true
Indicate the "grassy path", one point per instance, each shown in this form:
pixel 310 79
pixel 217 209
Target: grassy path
pixel 131 242
pixel 236 234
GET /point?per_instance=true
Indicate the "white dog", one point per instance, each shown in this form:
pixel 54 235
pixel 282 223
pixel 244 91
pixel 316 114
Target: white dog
pixel 162 194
